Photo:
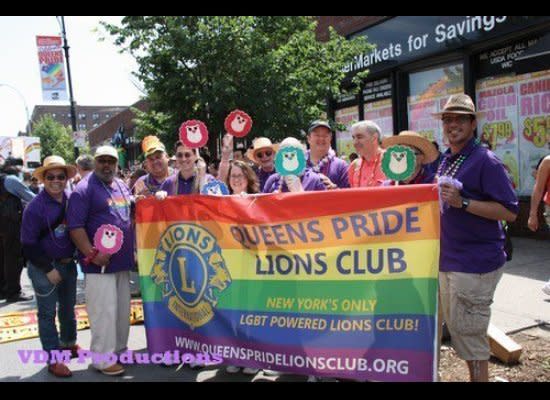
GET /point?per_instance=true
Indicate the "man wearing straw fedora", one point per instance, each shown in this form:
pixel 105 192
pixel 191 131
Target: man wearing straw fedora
pixel 50 253
pixel 262 154
pixel 476 194
pixel 425 154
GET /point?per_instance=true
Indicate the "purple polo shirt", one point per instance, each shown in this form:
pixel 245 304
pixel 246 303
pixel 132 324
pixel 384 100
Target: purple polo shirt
pixel 184 185
pixel 40 227
pixel 94 203
pixel 470 243
pixel 150 183
pixel 336 170
pixel 263 176
pixel 311 181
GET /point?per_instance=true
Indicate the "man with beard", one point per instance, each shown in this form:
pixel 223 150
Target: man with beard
pixel 100 199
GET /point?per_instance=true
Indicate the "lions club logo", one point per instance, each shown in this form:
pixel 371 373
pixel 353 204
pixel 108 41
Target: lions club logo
pixel 191 272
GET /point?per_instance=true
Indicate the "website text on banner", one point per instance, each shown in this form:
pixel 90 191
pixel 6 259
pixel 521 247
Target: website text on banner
pixel 339 283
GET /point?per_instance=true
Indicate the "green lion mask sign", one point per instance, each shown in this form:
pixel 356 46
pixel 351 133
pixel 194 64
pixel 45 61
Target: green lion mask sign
pixel 290 161
pixel 398 163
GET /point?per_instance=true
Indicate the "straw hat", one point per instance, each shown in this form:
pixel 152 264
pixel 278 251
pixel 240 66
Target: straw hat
pixel 412 138
pixel 53 162
pixel 106 151
pixel 259 144
pixel 458 104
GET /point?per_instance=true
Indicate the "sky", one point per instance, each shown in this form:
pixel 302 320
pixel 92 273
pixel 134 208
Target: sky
pixel 100 74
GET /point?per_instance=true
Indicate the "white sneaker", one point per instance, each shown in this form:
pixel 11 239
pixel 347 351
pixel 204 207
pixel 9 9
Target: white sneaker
pixel 232 369
pixel 270 372
pixel 546 288
pixel 250 371
pixel 312 378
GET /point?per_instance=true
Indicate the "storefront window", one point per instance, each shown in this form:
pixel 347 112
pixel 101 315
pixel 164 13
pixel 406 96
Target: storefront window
pixel 346 116
pixel 516 122
pixel 428 93
pixel 378 104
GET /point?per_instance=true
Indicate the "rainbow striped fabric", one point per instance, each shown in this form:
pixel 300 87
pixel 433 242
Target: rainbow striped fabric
pixel 340 283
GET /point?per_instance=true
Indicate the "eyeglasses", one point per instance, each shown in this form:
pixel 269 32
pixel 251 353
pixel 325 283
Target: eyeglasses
pixel 261 154
pixel 187 154
pixel 461 119
pixel 60 177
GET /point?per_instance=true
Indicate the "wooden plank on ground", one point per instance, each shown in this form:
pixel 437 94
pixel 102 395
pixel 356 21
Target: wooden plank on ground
pixel 503 347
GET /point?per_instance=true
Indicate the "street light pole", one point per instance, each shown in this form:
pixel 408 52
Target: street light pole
pixel 28 125
pixel 71 98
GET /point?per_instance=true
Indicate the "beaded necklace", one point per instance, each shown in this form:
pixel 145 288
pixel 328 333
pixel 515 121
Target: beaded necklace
pixel 324 161
pixel 114 205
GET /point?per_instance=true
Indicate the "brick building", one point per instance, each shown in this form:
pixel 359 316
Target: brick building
pixel 87 117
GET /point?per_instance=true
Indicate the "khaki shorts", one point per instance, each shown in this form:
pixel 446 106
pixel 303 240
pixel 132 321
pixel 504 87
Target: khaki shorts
pixel 547 214
pixel 466 304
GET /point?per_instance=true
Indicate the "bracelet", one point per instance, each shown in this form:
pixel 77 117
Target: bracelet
pixel 90 256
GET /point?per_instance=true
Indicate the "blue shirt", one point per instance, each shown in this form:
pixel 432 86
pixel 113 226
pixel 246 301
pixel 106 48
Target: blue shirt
pixel 14 185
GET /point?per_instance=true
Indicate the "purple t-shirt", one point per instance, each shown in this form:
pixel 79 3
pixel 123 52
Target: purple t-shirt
pixel 336 170
pixel 40 219
pixel 470 243
pixel 94 203
pixel 311 182
pixel 184 186
pixel 263 176
pixel 149 182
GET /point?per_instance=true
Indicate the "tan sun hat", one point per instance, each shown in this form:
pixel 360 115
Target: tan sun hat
pixel 414 139
pixel 54 162
pixel 259 144
pixel 459 104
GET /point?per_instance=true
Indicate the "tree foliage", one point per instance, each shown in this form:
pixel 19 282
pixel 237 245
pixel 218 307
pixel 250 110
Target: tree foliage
pixel 202 67
pixel 55 139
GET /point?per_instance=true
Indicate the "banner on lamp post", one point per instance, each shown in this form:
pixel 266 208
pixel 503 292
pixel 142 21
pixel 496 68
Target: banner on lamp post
pixel 52 68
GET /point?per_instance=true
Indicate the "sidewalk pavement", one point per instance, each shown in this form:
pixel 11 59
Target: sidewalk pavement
pixel 519 305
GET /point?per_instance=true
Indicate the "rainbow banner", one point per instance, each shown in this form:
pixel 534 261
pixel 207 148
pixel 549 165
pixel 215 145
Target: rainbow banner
pixel 340 283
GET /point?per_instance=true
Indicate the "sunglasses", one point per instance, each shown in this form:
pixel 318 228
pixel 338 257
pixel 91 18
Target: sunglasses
pixel 459 118
pixel 60 177
pixel 186 155
pixel 261 154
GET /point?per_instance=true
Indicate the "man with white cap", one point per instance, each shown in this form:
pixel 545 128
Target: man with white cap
pixel 101 199
pixel 51 267
pixel 478 195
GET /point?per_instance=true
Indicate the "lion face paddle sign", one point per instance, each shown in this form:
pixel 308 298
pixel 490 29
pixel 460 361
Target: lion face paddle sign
pixel 238 123
pixel 398 163
pixel 193 133
pixel 290 161
pixel 108 239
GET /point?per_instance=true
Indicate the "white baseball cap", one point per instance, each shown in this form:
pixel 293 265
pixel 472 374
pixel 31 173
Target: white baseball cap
pixel 106 151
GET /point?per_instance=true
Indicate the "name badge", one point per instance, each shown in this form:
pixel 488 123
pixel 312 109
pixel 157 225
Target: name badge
pixel 60 231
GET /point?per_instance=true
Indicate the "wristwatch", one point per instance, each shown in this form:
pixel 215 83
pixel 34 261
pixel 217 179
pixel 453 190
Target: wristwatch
pixel 465 203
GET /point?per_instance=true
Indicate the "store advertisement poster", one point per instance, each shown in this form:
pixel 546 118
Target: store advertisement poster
pixel 381 113
pixel 497 125
pixel 534 124
pixel 344 144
